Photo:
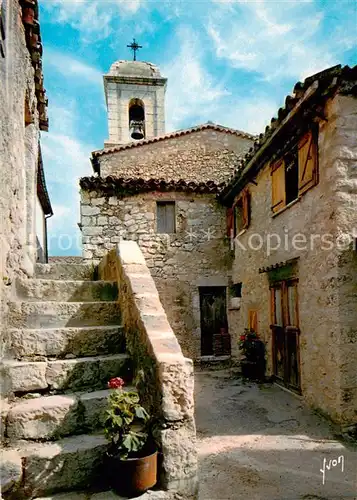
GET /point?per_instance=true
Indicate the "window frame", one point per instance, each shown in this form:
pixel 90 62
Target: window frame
pixel 165 203
pixel 284 286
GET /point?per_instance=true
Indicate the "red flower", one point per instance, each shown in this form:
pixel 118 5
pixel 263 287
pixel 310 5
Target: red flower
pixel 116 383
pixel 242 337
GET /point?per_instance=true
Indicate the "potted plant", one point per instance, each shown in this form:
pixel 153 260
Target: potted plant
pixel 132 453
pixel 253 349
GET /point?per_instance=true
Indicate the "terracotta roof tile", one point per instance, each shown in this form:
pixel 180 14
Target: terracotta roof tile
pixel 33 41
pixel 128 187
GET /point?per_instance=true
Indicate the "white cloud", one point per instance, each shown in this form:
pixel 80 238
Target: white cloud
pixel 93 18
pixel 192 90
pixel 276 39
pixel 70 68
pixel 195 96
pixel 66 159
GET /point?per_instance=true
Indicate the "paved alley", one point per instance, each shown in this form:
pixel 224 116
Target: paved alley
pixel 259 442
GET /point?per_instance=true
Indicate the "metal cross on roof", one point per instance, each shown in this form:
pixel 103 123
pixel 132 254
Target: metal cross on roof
pixel 134 47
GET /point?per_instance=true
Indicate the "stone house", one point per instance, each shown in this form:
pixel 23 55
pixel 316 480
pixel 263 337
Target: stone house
pixel 161 192
pixel 24 200
pixel 293 205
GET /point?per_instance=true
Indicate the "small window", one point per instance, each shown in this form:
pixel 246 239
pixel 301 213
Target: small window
pixel 236 290
pixel 166 217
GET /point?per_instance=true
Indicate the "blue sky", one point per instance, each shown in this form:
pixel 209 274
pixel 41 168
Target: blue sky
pixel 228 61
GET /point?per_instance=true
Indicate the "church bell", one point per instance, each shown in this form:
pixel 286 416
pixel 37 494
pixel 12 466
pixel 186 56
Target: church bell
pixel 136 130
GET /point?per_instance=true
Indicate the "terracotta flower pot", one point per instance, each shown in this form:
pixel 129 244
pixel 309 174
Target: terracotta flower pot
pixel 133 476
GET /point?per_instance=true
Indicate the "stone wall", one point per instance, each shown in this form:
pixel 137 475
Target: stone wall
pixel 198 156
pixel 164 378
pixel 327 283
pixel 18 157
pixel 342 149
pixel 196 255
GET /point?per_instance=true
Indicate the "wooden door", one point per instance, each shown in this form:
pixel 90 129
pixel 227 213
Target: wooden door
pixel 285 332
pixel 213 316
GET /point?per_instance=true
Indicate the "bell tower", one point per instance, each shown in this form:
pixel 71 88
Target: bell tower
pixel 135 97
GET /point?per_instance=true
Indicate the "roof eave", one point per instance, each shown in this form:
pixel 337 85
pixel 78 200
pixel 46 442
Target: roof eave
pixel 232 187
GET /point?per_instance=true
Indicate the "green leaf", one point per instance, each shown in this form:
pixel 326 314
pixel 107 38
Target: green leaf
pixel 141 413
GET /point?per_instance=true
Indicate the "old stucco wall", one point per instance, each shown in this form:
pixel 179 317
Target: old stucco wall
pixel 342 112
pixel 199 156
pixel 327 283
pixel 196 255
pixel 18 158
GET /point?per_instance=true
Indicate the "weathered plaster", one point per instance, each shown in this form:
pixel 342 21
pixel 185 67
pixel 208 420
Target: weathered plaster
pixel 18 159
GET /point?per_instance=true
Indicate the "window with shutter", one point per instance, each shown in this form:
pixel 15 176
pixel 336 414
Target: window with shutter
pixel 165 215
pixel 295 173
pixel 278 186
pixel 308 173
pixel 241 210
pixel 230 220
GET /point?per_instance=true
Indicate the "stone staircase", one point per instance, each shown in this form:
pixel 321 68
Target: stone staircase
pixel 66 343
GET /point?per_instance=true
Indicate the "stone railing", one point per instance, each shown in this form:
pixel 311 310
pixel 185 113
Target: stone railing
pixel 164 377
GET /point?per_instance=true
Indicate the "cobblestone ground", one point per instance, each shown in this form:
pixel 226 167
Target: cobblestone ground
pixel 259 442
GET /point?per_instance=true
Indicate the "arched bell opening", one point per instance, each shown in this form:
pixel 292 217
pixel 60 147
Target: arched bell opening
pixel 137 119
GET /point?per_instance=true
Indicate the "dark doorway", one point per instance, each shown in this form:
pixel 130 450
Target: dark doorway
pixel 213 316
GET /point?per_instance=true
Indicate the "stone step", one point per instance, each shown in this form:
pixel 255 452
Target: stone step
pixel 53 417
pixel 61 342
pixel 65 374
pixel 66 291
pixel 60 314
pixel 74 462
pixel 65 271
pixel 111 495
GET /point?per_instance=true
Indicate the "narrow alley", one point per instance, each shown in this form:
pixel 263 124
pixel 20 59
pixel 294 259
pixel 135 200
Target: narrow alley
pixel 259 442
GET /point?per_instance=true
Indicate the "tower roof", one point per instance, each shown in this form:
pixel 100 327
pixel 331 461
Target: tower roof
pixel 134 69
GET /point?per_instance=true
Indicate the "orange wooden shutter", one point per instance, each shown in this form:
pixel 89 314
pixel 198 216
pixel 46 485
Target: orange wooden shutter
pixel 307 163
pixel 253 320
pixel 278 185
pixel 230 221
pixel 246 208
